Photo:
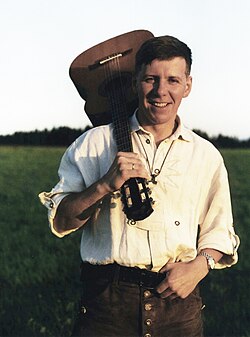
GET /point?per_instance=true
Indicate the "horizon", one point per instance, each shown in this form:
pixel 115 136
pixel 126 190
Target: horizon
pixel 90 126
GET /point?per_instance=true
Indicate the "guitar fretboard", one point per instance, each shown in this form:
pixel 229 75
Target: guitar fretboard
pixel 121 123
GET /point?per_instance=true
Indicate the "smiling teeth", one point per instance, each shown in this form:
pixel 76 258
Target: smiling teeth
pixel 159 105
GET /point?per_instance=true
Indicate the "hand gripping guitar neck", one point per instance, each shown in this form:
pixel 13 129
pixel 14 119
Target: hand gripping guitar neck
pixel 135 192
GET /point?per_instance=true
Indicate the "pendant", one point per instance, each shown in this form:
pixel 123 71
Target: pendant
pixel 153 178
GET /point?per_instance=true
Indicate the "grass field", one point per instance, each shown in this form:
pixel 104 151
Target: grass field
pixel 39 285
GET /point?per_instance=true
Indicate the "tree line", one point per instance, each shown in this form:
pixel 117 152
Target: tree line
pixel 61 136
pixel 64 136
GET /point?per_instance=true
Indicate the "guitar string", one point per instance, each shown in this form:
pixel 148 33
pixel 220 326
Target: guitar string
pixel 118 118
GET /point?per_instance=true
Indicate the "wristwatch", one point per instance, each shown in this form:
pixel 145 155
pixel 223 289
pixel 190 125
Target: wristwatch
pixel 210 259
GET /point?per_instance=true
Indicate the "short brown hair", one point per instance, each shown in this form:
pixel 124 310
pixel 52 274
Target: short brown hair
pixel 162 48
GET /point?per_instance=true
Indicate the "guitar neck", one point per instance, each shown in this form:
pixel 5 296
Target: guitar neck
pixel 122 136
pixel 134 191
pixel 121 127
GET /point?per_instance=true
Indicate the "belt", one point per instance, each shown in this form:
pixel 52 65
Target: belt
pixel 114 272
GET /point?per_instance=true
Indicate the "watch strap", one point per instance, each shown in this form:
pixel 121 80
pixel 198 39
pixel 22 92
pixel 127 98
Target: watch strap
pixel 210 259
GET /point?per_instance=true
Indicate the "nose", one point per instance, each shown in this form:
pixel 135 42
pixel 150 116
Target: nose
pixel 161 88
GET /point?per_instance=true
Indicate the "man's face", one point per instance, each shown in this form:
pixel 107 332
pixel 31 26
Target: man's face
pixel 161 86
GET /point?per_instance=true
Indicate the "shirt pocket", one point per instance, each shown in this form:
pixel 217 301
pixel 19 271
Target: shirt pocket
pixel 154 222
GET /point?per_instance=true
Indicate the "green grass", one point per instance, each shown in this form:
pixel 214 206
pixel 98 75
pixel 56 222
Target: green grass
pixel 39 274
pixel 226 292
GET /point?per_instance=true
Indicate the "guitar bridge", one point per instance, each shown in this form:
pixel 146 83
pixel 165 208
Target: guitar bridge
pixel 109 58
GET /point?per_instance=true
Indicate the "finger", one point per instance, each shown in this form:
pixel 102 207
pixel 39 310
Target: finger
pixel 130 158
pixel 173 296
pixel 167 267
pixel 168 293
pixel 128 155
pixel 133 166
pixel 126 173
pixel 162 286
pixel 137 170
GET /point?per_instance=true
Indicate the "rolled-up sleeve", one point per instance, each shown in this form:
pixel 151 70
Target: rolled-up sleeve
pixel 71 180
pixel 51 200
pixel 216 222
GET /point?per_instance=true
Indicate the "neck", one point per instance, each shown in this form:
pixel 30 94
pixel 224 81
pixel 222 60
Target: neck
pixel 161 131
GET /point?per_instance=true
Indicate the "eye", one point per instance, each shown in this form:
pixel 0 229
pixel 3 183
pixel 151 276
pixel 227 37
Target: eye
pixel 173 80
pixel 149 79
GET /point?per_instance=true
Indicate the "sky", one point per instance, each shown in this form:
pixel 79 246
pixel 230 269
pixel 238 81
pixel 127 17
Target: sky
pixel 39 39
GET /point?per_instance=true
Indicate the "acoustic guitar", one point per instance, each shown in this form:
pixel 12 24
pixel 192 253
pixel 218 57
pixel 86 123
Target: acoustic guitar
pixel 103 77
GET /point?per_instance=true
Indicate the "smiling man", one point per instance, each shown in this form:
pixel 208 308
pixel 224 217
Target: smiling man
pixel 141 278
pixel 161 85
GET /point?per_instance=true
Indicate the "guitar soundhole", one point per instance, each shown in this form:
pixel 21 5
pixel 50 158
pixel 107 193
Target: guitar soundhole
pixel 108 86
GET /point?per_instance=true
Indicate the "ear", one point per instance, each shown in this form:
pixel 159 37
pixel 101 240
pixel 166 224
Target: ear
pixel 188 86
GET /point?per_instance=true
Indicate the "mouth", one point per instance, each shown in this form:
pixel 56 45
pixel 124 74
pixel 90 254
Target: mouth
pixel 158 104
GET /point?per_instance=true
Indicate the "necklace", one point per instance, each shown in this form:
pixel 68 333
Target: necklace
pixel 156 172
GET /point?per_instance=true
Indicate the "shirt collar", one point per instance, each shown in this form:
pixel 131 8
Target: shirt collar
pixel 180 133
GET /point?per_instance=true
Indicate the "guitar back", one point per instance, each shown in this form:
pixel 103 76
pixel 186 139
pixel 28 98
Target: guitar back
pixel 90 79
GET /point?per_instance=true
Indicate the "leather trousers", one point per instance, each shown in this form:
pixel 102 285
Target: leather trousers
pixel 122 309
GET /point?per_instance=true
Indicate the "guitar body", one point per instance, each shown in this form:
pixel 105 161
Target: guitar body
pixel 103 77
pixel 90 78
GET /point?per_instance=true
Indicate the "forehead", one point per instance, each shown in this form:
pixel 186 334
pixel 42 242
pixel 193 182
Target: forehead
pixel 175 66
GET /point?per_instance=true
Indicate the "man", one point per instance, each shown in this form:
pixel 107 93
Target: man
pixel 141 278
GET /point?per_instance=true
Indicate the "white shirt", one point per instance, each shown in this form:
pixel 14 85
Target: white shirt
pixel 191 196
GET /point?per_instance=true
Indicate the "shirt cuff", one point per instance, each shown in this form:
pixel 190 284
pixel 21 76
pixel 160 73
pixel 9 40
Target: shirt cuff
pixel 51 201
pixel 228 247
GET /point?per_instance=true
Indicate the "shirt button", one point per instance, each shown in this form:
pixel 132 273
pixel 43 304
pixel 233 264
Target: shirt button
pixel 148 322
pixel 148 306
pixel 177 223
pixel 131 222
pixel 146 293
pixel 51 205
pixel 83 310
pixel 148 141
